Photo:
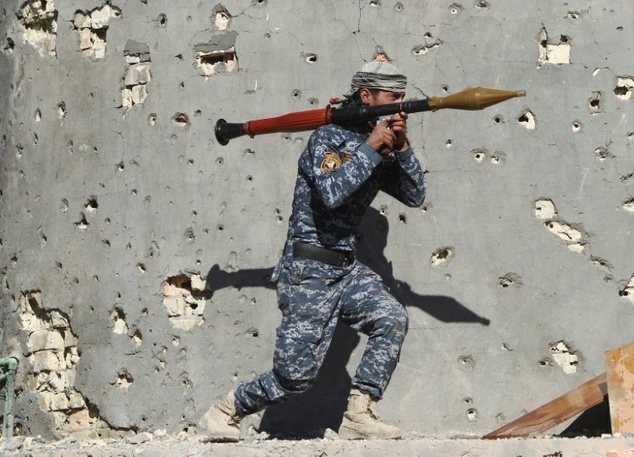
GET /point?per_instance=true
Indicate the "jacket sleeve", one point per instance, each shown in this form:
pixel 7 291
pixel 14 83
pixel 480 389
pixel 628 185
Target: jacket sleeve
pixel 335 186
pixel 407 183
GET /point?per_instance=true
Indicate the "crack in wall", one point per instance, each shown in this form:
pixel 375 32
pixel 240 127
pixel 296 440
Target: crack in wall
pixel 430 43
pixel 573 235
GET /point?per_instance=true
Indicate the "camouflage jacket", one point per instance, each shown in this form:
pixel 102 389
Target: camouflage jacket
pixel 338 177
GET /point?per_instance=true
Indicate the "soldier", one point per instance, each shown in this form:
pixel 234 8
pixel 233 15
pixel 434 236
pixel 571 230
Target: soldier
pixel 340 172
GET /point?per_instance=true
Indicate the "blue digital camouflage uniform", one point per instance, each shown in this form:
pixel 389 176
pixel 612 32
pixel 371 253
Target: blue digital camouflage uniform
pixel 338 177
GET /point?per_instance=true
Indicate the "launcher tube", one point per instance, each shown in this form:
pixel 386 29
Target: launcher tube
pixel 470 99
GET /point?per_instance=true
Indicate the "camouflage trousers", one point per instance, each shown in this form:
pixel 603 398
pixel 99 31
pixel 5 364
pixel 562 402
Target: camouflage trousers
pixel 313 296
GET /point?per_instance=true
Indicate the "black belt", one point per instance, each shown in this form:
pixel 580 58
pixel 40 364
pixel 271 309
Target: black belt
pixel 312 252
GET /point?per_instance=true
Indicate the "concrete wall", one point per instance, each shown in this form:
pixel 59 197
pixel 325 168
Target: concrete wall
pixel 135 249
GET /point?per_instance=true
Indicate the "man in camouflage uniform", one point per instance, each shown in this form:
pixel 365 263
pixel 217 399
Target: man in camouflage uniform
pixel 340 172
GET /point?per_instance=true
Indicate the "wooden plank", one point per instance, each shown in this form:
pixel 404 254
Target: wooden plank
pixel 620 375
pixel 621 453
pixel 555 412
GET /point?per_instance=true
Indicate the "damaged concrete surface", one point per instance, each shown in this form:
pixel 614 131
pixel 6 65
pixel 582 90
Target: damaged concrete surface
pixel 145 246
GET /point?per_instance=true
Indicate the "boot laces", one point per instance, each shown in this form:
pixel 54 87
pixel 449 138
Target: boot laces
pixel 372 410
pixel 363 402
pixel 234 419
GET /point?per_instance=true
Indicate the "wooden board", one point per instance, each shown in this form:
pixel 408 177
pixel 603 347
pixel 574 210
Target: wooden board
pixel 619 365
pixel 621 453
pixel 555 412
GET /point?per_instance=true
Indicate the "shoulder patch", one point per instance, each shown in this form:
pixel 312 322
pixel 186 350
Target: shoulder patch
pixel 331 162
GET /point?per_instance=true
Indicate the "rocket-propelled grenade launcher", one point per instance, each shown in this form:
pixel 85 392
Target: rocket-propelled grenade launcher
pixel 470 99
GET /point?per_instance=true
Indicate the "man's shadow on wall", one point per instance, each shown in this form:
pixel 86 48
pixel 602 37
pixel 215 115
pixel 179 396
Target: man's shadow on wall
pixel 322 407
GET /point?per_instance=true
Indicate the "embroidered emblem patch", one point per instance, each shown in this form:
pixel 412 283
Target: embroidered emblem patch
pixel 331 162
pixel 347 156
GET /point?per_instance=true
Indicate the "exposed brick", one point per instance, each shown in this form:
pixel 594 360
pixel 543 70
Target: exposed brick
pixel 85 41
pixel 70 339
pixel 43 339
pixel 126 95
pixel 139 94
pixel 47 361
pixel 80 420
pixel 81 21
pixel 76 400
pixel 199 283
pixel 175 306
pixel 100 18
pixel 54 401
pixel 137 74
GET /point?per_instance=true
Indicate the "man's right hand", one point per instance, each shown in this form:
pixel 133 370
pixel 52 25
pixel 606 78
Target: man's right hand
pixel 387 134
pixel 382 138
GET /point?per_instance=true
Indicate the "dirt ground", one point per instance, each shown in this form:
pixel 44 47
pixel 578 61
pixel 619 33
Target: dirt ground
pixel 161 444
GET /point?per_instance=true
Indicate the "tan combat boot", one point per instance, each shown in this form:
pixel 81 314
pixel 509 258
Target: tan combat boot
pixel 360 421
pixel 222 420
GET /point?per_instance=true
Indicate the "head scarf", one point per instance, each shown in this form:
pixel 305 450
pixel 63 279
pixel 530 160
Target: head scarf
pixel 379 75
